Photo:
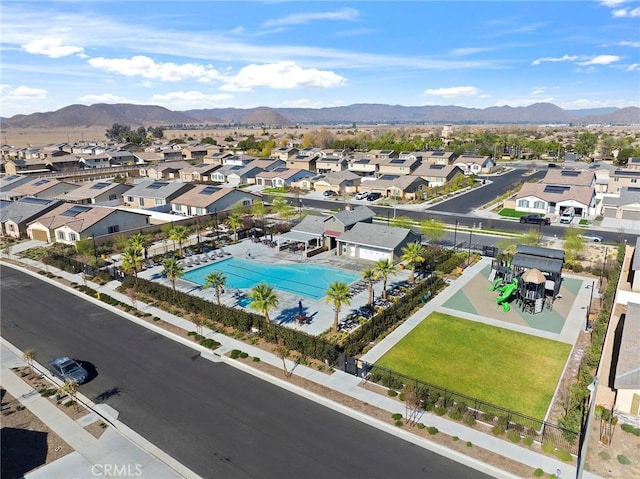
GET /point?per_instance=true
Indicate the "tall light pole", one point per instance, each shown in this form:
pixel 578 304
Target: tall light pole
pixel 455 237
pixel 469 257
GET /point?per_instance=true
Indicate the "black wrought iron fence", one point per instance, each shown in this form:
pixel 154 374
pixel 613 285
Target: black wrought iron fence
pixel 433 398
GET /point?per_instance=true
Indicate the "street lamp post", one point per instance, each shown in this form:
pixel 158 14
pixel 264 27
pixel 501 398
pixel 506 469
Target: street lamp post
pixel 455 237
pixel 470 237
pixel 300 209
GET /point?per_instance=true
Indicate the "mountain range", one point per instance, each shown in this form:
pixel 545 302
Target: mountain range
pixel 102 114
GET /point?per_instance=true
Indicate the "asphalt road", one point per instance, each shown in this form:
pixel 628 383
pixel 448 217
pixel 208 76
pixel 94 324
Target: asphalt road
pixel 214 419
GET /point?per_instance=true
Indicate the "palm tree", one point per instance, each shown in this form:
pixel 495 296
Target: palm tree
pixel 132 260
pixel 413 254
pixel 29 356
pixel 384 268
pixel 339 294
pixel 369 275
pixel 235 222
pixel 217 280
pixel 173 270
pixel 263 298
pixel 179 234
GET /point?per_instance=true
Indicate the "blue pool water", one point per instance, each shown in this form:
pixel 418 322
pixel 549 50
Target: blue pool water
pixel 306 280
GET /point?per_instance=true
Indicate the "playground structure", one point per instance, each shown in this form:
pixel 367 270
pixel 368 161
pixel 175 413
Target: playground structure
pixel 530 277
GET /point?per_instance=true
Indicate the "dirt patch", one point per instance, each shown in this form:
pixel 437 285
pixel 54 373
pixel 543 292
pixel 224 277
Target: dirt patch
pixel 97 429
pixel 27 443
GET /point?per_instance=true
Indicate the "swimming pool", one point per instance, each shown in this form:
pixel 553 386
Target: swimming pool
pixel 306 280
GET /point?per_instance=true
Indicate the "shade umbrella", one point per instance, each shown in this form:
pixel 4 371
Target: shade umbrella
pixel 533 276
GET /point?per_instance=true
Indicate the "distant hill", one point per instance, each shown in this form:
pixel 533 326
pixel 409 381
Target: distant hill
pixel 366 113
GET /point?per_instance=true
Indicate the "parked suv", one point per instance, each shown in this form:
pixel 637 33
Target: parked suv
pixel 534 220
pixel 374 196
pixel 567 215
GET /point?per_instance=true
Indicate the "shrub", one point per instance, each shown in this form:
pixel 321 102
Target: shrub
pixel 392 393
pixel 235 353
pixel 548 447
pixel 396 416
pixel 563 455
pixel 455 438
pixel 48 392
pixel 605 456
pixel 528 441
pixel 468 419
pixel 439 410
pixel 622 459
pixel 399 423
pixel 497 430
pixel 488 417
pixel 244 355
pixel 256 359
pixel 421 426
pixel 513 436
pixel 432 430
pixel 538 473
pixel 630 429
pixel 455 415
pixel 401 396
pixel 469 444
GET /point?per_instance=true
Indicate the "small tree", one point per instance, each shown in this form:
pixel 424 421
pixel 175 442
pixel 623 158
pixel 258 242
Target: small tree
pixel 433 229
pixel 173 270
pixel 413 254
pixel 235 222
pixel 384 268
pixel 179 234
pixel 283 352
pixel 70 388
pixel 216 280
pixel 29 356
pixel 338 293
pixel 132 260
pixel 263 299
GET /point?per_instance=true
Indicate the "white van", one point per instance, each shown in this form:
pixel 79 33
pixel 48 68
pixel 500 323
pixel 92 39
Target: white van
pixel 568 215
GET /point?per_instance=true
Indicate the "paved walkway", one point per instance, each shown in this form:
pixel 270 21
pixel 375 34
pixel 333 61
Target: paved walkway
pixel 343 382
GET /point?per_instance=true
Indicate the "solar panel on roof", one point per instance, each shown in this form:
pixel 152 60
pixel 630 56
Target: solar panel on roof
pixel 209 190
pixel 12 177
pixel 75 211
pixel 634 189
pixel 436 167
pixel 35 201
pixel 99 186
pixel 398 161
pixel 570 173
pixel 559 189
pixel 41 182
pixel 388 177
pixel 157 185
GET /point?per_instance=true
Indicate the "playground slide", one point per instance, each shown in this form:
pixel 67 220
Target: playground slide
pixel 506 291
pixel 495 284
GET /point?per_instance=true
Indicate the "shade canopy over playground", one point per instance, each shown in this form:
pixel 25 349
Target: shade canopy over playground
pixel 533 276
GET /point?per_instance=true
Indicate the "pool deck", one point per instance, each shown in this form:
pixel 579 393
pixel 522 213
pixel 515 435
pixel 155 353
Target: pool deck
pixel 319 312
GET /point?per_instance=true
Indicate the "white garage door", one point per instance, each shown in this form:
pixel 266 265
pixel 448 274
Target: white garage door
pixel 374 255
pixel 630 215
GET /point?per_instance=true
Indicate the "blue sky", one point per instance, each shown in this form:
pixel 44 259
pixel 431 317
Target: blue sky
pixel 208 54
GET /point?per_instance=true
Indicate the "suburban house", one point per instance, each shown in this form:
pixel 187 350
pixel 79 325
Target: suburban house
pixel 16 215
pixel 438 157
pixel 602 181
pixel 144 157
pixel 235 175
pixel 164 171
pixel 237 160
pixel 475 165
pixel 98 192
pixel 205 199
pixel 625 206
pixel 406 187
pixel 338 223
pixel 382 154
pixel 154 195
pixel 173 154
pixel 554 199
pixel 398 166
pixel 284 153
pixel 26 166
pixel 436 174
pixel 618 179
pixel 281 177
pixel 69 223
pixel 374 242
pixel 200 172
pixel 331 164
pixel 301 162
pixel 217 158
pixel 557 176
pixel 313 152
pixel 365 167
pixel 64 163
pixel 39 187
pixel 634 163
pixel 340 182
pixel 266 164
pixel 627 368
pixel 102 160
pixel 122 158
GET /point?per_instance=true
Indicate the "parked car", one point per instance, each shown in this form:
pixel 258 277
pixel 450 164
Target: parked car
pixel 362 195
pixel 567 215
pixel 68 369
pixel 374 196
pixel 329 193
pixel 592 237
pixel 535 220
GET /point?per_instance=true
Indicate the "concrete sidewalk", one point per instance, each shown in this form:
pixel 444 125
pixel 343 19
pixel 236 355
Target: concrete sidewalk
pixel 342 382
pixel 118 450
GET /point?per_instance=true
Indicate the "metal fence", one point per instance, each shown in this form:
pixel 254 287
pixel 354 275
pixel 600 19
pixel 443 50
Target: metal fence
pixel 431 397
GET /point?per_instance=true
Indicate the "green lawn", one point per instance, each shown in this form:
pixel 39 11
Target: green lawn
pixel 502 367
pixel 511 213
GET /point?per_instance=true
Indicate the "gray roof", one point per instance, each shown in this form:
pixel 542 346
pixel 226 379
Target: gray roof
pixel 547 265
pixel 350 217
pixel 540 251
pixel 165 189
pixel 628 195
pixel 26 209
pixel 376 235
pixel 310 224
pixel 627 374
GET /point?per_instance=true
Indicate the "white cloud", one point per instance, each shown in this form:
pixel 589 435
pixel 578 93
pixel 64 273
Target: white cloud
pixel 306 103
pixel 634 67
pixel 51 47
pixel 626 43
pixel 105 98
pixel 282 75
pixel 185 100
pixel 601 60
pixel 453 92
pixel 24 93
pixel 612 3
pixel 626 12
pixel 146 67
pixel 537 91
pixel 459 52
pixel 301 18
pixel 564 58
